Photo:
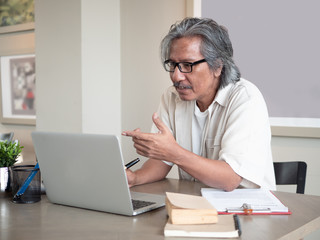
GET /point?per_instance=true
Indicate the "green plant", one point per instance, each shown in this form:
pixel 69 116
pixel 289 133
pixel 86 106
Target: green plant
pixel 9 152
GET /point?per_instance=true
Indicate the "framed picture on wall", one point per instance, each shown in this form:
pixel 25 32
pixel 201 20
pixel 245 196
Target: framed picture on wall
pixel 18 86
pixel 16 15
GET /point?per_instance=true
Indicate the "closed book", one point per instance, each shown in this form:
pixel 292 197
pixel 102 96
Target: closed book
pixel 227 227
pixel 189 209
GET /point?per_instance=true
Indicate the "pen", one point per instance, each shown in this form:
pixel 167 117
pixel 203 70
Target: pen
pixel 26 183
pixel 247 209
pixel 133 162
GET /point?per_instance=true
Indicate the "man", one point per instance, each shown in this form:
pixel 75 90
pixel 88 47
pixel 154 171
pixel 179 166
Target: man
pixel 211 123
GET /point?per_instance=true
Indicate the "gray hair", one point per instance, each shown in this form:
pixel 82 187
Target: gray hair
pixel 216 46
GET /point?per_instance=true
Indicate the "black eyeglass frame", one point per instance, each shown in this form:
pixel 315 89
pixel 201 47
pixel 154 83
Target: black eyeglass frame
pixel 191 64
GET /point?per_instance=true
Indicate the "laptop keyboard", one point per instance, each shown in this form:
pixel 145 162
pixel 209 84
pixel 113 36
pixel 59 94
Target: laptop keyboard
pixel 140 204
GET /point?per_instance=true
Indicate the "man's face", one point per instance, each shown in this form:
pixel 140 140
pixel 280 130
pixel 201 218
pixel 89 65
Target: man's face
pixel 202 83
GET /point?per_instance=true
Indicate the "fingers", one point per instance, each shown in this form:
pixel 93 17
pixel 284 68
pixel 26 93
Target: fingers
pixel 148 144
pixel 131 133
pixel 130 177
pixel 141 149
pixel 160 125
pixel 139 135
pixel 139 140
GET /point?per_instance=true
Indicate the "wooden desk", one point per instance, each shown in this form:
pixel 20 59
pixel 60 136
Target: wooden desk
pixel 44 220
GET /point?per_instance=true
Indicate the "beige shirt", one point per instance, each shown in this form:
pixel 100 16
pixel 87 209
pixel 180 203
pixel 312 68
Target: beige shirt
pixel 237 131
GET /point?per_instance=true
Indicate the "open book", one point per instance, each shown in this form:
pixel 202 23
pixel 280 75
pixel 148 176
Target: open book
pixel 245 201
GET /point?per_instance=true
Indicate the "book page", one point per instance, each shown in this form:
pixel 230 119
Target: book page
pixel 258 199
pixel 188 201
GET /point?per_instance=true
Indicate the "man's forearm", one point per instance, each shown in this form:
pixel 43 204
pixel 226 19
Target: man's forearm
pixel 151 171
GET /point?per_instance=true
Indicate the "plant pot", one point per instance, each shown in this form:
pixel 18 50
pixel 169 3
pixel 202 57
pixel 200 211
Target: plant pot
pixel 5 179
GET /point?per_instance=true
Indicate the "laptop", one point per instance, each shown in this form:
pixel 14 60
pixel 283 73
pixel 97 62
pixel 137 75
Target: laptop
pixel 87 171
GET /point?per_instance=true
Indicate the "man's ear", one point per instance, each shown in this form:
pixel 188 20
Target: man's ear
pixel 217 71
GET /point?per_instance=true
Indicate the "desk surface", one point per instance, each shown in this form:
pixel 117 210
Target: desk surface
pixel 44 220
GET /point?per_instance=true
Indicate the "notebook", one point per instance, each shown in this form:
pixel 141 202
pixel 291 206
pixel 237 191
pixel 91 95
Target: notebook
pixel 87 171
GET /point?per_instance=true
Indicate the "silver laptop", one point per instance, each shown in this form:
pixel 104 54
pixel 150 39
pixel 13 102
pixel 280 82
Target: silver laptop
pixel 87 171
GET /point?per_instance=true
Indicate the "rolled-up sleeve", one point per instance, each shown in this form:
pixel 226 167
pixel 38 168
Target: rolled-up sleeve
pixel 245 142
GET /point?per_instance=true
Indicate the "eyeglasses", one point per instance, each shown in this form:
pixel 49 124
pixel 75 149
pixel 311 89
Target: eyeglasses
pixel 184 67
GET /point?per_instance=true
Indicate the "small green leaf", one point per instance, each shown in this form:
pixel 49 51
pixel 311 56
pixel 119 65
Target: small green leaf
pixel 9 152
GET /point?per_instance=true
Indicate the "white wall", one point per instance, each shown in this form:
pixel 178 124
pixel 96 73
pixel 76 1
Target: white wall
pixel 276 47
pixel 78 66
pixel 58 62
pixel 101 76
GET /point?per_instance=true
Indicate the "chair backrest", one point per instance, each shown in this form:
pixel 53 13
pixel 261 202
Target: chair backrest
pixel 291 173
pixel 6 136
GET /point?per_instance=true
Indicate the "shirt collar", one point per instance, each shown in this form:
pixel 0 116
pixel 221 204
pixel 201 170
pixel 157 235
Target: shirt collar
pixel 223 95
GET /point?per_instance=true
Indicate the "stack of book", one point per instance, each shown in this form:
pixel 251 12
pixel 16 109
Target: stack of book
pixel 194 216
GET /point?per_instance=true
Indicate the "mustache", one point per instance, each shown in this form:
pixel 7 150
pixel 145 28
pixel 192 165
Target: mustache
pixel 181 86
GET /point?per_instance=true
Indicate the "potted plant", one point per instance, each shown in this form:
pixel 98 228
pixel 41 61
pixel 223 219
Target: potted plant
pixel 9 152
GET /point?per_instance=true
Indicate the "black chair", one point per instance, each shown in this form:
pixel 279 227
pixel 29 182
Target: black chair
pixel 291 173
pixel 6 136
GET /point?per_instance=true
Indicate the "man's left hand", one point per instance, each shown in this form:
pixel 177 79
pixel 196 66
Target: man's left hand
pixel 160 146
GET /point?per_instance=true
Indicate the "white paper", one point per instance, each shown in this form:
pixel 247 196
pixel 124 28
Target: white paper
pixel 257 198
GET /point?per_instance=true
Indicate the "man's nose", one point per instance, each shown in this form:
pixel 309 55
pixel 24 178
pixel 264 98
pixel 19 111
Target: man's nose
pixel 177 75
